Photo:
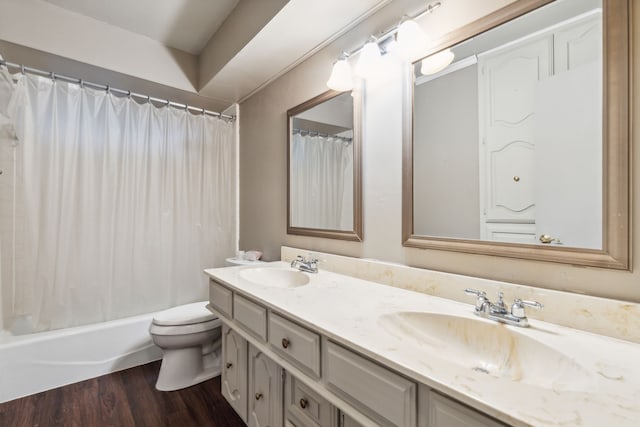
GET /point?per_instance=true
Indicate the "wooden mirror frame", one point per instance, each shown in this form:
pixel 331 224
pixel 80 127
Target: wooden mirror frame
pixel 357 234
pixel 615 252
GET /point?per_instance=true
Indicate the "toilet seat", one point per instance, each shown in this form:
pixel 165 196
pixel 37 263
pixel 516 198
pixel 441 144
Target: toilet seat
pixel 187 314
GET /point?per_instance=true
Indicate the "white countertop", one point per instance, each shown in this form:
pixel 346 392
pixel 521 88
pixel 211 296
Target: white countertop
pixel 593 380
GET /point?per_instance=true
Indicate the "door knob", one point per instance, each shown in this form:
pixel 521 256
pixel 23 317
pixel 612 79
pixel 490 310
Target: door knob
pixel 545 238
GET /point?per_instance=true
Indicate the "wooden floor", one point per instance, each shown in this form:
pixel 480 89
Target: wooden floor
pixel 121 399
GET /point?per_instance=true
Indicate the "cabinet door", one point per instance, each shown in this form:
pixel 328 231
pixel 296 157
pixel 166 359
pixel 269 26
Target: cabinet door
pixel 265 391
pixel 440 411
pixel 234 371
pixel 347 421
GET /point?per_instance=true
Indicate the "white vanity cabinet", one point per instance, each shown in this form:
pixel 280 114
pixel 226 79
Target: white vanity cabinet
pixel 234 370
pixel 265 390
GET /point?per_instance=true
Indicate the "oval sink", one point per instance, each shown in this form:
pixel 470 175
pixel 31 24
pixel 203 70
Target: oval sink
pixel 275 277
pixel 489 348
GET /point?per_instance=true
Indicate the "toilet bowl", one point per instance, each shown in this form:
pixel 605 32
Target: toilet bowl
pixel 189 336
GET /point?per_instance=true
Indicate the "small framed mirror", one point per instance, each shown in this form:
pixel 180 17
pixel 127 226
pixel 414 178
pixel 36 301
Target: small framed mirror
pixel 324 158
pixel 520 147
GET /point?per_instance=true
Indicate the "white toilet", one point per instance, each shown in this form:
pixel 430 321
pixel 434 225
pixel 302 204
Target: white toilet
pixel 189 336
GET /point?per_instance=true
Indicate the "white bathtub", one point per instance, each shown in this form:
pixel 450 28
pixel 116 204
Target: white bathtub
pixel 33 363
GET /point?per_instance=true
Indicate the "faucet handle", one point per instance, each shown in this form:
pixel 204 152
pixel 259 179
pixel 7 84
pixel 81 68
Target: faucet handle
pixel 479 294
pixel 517 309
pixel 482 302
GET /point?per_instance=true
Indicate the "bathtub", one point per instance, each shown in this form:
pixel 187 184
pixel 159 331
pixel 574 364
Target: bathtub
pixel 37 362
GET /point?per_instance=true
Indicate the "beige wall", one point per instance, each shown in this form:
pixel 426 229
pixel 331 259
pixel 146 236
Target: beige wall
pixel 263 171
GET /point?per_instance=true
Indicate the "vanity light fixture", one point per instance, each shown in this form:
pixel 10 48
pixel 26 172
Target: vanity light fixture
pixel 341 78
pixel 436 62
pixel 369 60
pixel 408 40
pixel 411 39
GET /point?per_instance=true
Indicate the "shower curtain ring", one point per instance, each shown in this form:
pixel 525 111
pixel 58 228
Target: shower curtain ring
pixel 108 88
pixel 22 69
pixel 53 76
pixel 129 94
pixel 81 83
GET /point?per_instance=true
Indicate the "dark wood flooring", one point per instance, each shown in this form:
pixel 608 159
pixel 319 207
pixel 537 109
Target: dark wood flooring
pixel 122 399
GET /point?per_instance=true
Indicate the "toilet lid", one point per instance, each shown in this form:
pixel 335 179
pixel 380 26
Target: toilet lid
pixel 187 314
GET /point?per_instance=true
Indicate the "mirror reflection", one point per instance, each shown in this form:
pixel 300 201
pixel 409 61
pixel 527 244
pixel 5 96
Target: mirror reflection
pixel 321 164
pixel 507 140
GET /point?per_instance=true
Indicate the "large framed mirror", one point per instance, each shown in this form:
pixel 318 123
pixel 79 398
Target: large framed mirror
pixel 520 146
pixel 324 158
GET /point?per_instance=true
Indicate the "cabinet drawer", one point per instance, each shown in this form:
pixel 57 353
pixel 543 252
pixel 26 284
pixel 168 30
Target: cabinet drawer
pixel 305 407
pixel 220 298
pixel 385 396
pixel 299 345
pixel 250 315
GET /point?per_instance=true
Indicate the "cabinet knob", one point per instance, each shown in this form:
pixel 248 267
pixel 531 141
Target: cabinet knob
pixel 285 343
pixel 258 396
pixel 229 365
pixel 516 178
pixel 303 403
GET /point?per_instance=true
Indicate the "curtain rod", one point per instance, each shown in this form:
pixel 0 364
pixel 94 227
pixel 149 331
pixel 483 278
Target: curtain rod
pixel 324 135
pixel 24 69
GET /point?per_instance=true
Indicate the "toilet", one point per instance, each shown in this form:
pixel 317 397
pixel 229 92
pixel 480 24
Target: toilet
pixel 189 336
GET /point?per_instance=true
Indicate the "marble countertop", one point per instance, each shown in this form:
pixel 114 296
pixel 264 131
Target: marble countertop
pixel 562 376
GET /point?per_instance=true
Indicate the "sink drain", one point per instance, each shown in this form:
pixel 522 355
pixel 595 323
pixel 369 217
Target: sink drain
pixel 479 369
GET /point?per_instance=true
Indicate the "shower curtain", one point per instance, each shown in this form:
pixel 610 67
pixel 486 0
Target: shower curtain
pixel 322 182
pixel 124 204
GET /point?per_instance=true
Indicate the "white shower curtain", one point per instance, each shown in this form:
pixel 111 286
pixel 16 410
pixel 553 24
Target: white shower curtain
pixel 125 204
pixel 321 182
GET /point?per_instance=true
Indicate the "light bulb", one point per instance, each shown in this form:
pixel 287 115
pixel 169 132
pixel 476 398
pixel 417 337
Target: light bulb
pixel 436 62
pixel 341 78
pixel 411 40
pixel 369 61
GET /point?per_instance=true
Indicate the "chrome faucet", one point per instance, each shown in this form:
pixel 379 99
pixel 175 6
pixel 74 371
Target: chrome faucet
pixel 310 265
pixel 498 311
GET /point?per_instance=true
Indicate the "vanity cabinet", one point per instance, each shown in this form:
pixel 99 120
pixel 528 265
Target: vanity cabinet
pixel 234 370
pixel 265 354
pixel 265 390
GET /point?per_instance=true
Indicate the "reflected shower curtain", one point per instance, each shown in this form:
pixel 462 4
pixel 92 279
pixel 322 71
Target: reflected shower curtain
pixel 124 204
pixel 322 181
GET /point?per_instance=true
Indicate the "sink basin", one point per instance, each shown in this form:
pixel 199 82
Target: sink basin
pixel 489 348
pixel 275 277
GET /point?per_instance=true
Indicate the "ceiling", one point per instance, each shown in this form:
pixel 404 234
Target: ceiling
pixel 162 20
pixel 224 50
